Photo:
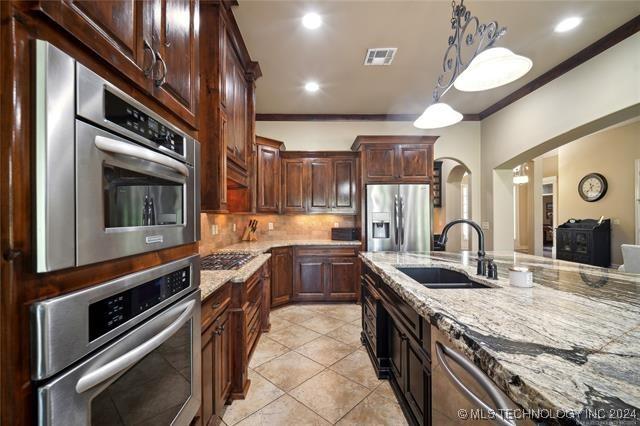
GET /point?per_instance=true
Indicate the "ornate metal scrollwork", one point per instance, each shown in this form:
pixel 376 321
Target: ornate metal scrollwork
pixel 468 35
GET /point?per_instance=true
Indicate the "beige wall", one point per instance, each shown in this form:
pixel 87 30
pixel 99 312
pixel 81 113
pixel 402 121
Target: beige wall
pixel 550 166
pixel 598 93
pixel 461 142
pixel 611 153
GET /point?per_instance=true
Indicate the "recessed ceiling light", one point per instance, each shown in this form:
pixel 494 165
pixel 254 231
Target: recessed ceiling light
pixel 311 86
pixel 312 20
pixel 568 24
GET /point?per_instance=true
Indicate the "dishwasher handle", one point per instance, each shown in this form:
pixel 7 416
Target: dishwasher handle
pixel 482 379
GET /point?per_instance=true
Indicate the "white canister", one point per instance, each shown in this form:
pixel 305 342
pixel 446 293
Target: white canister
pixel 520 277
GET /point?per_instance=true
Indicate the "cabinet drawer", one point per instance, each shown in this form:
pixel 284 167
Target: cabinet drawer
pixel 213 305
pixel 327 251
pixel 369 332
pixel 401 311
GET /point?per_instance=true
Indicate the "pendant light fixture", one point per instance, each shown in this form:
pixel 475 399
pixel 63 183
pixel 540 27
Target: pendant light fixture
pixel 487 67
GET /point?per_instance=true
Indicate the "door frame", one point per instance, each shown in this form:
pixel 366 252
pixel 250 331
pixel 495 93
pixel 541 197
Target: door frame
pixel 637 202
pixel 553 181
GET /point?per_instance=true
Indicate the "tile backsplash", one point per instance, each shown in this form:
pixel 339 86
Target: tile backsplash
pixel 284 227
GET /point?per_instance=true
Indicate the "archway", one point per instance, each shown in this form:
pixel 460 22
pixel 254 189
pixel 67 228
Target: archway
pixel 454 187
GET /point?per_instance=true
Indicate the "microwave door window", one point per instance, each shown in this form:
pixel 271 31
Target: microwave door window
pixel 133 199
pixel 153 391
pixel 168 204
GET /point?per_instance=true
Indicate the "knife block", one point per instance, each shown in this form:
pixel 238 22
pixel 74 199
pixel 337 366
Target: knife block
pixel 249 235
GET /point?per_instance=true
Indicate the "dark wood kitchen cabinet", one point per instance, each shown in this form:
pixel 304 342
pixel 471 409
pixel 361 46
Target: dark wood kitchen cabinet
pixel 395 159
pixel 216 354
pixel 326 274
pixel 319 182
pixel 268 175
pixel 398 342
pixel 152 43
pixel 281 275
pixel 227 122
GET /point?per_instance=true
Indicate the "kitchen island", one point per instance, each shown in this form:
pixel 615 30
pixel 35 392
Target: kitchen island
pixel 569 344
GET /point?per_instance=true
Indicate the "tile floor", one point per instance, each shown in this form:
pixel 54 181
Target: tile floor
pixel 311 369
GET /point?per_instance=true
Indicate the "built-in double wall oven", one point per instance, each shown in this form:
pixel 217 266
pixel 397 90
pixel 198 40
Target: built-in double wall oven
pixel 113 178
pixel 126 352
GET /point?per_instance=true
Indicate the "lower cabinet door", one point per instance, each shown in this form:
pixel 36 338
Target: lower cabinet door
pixel 309 281
pixel 207 409
pixel 222 350
pixel 281 276
pixel 343 278
pixel 418 384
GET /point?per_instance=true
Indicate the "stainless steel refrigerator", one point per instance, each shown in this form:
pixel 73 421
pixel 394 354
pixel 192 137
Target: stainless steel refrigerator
pixel 399 218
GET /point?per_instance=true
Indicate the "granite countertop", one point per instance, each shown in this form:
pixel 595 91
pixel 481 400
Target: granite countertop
pixel 264 246
pixel 210 281
pixel 570 343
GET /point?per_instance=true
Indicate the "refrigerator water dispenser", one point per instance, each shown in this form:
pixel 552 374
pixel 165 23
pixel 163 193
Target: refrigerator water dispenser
pixel 380 222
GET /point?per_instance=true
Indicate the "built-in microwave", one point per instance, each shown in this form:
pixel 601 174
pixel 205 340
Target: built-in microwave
pixel 113 178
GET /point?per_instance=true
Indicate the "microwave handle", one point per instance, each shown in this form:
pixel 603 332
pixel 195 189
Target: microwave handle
pixel 123 362
pixel 123 148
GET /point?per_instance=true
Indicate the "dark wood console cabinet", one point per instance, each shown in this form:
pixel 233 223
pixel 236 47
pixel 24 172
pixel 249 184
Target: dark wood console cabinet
pixel 324 274
pixel 398 341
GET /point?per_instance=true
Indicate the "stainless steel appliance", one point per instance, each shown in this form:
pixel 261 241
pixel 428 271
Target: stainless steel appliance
pixel 463 394
pixel 225 261
pixel 399 218
pixel 123 352
pixel 113 178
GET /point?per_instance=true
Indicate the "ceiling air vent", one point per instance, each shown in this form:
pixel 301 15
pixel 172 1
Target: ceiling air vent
pixel 380 56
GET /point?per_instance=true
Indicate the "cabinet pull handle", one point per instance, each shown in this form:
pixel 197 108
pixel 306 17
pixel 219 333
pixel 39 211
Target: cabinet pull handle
pixel 216 305
pixel 479 376
pixel 147 48
pixel 160 81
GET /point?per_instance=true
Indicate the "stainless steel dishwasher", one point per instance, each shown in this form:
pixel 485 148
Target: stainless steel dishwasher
pixel 462 394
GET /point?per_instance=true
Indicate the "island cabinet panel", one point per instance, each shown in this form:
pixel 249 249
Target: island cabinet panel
pixel 396 159
pixel 268 175
pixel 293 185
pixel 406 340
pixel 281 275
pixel 326 274
pixel 152 43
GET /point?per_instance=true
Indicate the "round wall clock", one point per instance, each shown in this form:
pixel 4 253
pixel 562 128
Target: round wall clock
pixel 592 187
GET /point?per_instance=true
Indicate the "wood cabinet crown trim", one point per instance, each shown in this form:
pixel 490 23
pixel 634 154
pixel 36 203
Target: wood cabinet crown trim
pixel 363 140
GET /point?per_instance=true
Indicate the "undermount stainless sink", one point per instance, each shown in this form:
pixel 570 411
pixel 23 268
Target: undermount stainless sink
pixel 440 278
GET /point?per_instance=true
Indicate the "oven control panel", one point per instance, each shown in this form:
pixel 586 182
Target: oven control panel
pixel 131 118
pixel 111 312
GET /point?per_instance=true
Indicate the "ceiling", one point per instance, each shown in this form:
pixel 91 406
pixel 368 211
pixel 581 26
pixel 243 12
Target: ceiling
pixel 333 55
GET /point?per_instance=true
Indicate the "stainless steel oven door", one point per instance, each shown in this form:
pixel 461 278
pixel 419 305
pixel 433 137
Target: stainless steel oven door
pixel 130 198
pixel 151 375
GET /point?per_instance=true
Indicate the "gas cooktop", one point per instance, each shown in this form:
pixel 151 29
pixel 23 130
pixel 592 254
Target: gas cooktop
pixel 225 261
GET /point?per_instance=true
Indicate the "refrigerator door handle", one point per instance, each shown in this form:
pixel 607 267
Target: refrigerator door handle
pixel 395 219
pixel 401 221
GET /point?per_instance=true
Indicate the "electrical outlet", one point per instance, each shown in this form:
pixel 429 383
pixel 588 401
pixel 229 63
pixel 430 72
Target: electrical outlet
pixel 336 224
pixel 615 221
pixel 214 229
pixel 270 226
pixel 486 226
pixel 233 227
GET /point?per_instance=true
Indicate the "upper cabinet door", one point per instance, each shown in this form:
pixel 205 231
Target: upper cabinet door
pixel 320 185
pixel 119 31
pixel 240 118
pixel 415 162
pixel 380 163
pixel 268 180
pixel 176 74
pixel 293 185
pixel 345 199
